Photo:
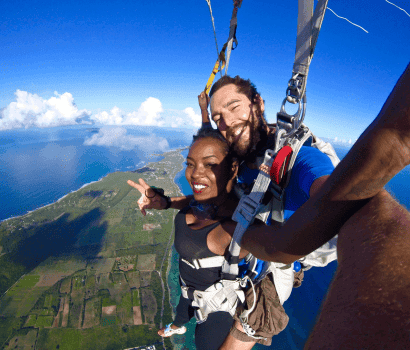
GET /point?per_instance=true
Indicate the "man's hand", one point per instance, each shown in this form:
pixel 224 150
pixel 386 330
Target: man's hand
pixel 203 100
pixel 149 198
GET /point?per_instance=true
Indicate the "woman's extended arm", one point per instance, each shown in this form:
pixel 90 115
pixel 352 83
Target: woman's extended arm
pixel 150 200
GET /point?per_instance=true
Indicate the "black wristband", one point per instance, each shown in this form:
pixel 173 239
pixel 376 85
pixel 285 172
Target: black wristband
pixel 160 192
pixel 169 202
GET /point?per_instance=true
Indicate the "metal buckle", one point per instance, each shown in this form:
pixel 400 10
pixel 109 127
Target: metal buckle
pixel 295 93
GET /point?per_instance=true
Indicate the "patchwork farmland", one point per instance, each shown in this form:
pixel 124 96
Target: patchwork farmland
pixel 84 272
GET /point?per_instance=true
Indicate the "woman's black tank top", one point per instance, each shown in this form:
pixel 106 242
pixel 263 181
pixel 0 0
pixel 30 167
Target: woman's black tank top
pixel 192 244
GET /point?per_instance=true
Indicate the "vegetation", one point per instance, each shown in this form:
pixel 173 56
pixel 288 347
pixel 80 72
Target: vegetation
pixel 74 270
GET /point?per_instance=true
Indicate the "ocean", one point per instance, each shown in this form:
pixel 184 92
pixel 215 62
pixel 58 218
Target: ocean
pixel 39 166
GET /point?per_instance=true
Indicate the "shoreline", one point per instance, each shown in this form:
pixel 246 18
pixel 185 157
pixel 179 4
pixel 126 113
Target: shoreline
pixel 179 342
pixel 140 166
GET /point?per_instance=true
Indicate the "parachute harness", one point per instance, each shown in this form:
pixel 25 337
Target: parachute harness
pixel 309 24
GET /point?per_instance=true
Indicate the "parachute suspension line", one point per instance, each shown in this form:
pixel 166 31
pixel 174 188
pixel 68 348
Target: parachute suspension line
pixel 398 7
pixel 347 20
pixel 221 61
pixel 213 25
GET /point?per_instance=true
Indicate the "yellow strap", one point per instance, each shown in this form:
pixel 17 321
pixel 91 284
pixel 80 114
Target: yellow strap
pixel 212 76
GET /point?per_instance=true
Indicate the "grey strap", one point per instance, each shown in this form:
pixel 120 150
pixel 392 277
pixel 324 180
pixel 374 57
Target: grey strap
pixel 245 213
pixel 303 39
pixel 232 33
pixel 213 261
pixel 309 24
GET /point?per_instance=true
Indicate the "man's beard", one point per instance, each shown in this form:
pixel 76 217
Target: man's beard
pixel 246 148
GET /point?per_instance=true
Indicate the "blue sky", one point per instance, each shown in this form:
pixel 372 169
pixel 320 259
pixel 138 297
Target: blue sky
pixel 145 62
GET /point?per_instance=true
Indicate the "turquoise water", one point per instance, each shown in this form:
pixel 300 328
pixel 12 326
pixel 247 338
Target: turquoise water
pixel 187 340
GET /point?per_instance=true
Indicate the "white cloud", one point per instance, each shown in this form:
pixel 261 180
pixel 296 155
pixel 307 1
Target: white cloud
pixel 30 110
pixel 196 118
pixel 117 137
pixel 177 122
pixel 115 117
pixel 149 113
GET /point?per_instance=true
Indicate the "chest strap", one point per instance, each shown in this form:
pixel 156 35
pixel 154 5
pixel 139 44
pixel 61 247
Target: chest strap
pixel 212 261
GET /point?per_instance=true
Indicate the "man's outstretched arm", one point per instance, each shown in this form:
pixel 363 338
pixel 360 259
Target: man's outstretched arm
pixel 378 155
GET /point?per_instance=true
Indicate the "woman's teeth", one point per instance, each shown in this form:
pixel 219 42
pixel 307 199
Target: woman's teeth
pixel 199 188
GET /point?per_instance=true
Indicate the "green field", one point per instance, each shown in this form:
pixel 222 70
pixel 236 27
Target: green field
pixel 63 263
pixel 108 321
pixel 99 338
pixel 31 321
pixel 136 297
pixel 65 286
pixel 44 321
pixel 28 281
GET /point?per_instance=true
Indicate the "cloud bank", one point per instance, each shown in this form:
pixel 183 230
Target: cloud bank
pixel 149 113
pixel 109 136
pixel 30 110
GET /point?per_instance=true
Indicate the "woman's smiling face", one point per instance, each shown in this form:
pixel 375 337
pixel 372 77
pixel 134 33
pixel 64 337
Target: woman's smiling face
pixel 208 171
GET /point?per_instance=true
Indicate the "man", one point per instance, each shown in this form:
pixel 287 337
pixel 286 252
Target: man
pixel 238 111
pixel 368 302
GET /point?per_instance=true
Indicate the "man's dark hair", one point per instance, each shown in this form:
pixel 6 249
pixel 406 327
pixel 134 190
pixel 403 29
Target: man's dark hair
pixel 245 87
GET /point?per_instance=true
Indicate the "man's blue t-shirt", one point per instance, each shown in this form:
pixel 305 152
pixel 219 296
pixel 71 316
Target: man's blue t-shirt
pixel 310 164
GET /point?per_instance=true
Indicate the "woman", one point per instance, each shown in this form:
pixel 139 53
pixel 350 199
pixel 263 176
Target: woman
pixel 204 229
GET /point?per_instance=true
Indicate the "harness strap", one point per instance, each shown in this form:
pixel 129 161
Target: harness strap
pixel 276 164
pixel 309 24
pixel 245 213
pixel 221 296
pixel 232 33
pixel 212 261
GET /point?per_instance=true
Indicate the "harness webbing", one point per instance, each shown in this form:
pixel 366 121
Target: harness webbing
pixel 244 215
pixel 221 61
pixel 232 33
pixel 309 24
pixel 219 65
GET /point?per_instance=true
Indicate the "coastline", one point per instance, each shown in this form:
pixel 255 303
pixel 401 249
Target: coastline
pixel 140 165
pixel 185 341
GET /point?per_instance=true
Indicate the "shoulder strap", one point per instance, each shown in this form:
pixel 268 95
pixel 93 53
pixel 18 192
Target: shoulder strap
pixel 244 215
pixel 250 205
